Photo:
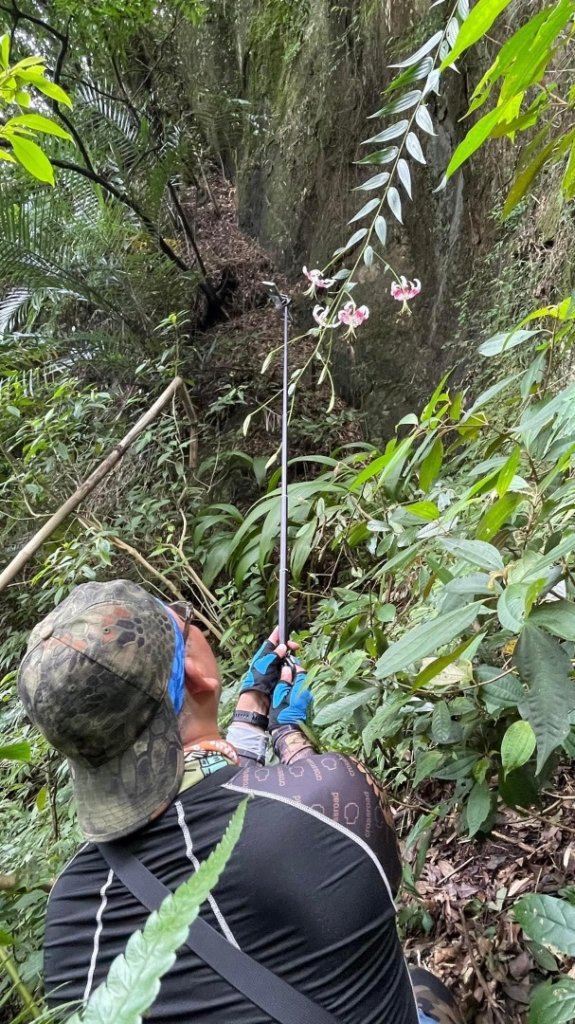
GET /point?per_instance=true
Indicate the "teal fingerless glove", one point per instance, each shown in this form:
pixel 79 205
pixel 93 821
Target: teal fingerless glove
pixel 290 703
pixel 264 672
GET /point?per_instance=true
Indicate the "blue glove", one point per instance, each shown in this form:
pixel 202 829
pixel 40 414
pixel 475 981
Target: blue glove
pixel 264 672
pixel 290 703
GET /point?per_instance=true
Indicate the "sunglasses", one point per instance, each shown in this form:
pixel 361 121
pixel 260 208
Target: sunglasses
pixel 184 610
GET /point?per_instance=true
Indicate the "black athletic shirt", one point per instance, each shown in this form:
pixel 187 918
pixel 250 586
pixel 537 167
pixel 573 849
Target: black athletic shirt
pixel 308 892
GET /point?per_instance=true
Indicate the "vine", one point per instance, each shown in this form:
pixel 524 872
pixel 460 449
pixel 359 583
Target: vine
pixel 427 65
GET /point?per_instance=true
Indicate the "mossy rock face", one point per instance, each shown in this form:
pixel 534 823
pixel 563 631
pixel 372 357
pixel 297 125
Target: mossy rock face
pixel 310 72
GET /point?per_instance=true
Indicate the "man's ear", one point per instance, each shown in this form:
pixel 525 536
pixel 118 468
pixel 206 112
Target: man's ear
pixel 196 682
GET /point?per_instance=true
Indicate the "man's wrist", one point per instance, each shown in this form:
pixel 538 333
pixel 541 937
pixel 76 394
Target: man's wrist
pixel 253 700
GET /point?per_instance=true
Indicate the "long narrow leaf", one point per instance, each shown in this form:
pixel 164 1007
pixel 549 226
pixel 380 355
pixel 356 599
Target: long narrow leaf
pixel 478 22
pixel 424 640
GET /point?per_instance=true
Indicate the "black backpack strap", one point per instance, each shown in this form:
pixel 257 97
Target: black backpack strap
pixel 262 987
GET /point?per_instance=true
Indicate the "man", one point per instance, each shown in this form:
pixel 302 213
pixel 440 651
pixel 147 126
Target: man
pixel 129 691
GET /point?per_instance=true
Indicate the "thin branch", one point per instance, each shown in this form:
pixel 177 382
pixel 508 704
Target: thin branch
pixel 61 58
pixel 188 230
pixel 478 972
pixel 166 583
pixel 127 98
pixel 24 16
pixel 76 136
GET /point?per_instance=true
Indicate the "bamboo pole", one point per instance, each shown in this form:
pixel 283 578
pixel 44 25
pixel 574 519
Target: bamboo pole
pixel 101 471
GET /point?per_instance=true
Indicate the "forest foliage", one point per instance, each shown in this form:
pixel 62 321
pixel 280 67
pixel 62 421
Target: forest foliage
pixel 432 579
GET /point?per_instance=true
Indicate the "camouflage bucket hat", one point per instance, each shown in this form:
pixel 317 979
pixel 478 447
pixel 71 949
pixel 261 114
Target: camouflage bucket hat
pixel 95 681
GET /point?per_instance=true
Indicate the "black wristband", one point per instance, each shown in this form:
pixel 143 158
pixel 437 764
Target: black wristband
pixel 251 718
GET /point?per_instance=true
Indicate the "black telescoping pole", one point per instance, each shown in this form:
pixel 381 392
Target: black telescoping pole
pixel 281 302
pixel 284 572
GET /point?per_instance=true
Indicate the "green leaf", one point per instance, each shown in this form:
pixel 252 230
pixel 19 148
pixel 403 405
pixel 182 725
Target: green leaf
pixel 5 938
pixel 39 123
pixel 427 510
pixel 423 50
pixel 405 102
pixel 355 238
pixel 441 724
pixel 133 979
pixel 517 746
pixel 503 693
pixel 392 132
pixel 394 202
pixel 268 536
pixel 379 157
pixel 525 179
pixel 302 548
pixel 380 226
pixel 385 465
pixel 431 465
pixel 520 788
pixel 424 640
pixel 553 1002
pixel 497 515
pixel 461 768
pixel 545 668
pixel 5 50
pixel 512 606
pixel 478 22
pixel 547 920
pixel 344 708
pixel 564 547
pixel 519 42
pixel 487 396
pixel 541 413
pixel 476 552
pixel 216 560
pixel 404 175
pixel 478 807
pixel 440 664
pixel 367 208
pixel 385 722
pixel 49 88
pixel 424 120
pixel 476 136
pixel 426 764
pixel 32 159
pixel 414 149
pixel 543 958
pixel 371 183
pixel 508 471
pixel 504 341
pixel 557 617
pixel 16 751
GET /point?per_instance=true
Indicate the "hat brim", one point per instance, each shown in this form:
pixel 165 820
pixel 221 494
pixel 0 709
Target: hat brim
pixel 124 794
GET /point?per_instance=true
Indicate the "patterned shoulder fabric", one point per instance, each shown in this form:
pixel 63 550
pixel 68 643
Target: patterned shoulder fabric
pixel 340 790
pixel 433 999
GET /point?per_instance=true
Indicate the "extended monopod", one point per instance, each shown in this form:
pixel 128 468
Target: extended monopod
pixel 281 301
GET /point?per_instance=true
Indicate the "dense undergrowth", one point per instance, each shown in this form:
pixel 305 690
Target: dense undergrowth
pixel 432 585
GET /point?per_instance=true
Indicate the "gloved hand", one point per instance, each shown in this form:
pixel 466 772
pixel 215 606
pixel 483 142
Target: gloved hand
pixel 263 675
pixel 290 700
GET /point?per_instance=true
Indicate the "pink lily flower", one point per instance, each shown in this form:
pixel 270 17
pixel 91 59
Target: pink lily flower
pixel 321 316
pixel 317 280
pixel 404 290
pixel 352 316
